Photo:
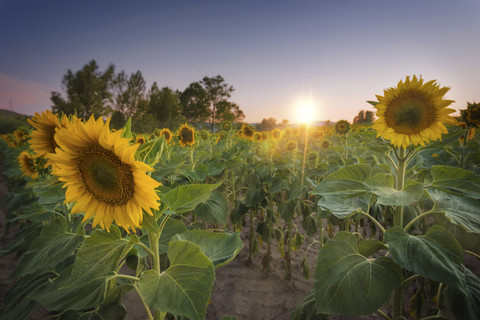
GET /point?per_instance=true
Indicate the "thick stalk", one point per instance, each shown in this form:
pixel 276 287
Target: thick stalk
pixel 398 222
pixel 288 257
pixel 153 239
pixel 250 247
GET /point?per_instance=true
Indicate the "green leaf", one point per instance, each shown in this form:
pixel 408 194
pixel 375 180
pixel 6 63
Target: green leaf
pixel 382 185
pixel 18 303
pixel 185 198
pixel 220 248
pixel 151 151
pixel 437 255
pixel 255 196
pixel 215 168
pixel 368 247
pixel 306 310
pixel 343 207
pixel 287 209
pixel 185 287
pixel 83 284
pixel 457 180
pixel 460 211
pixel 52 246
pixel 127 129
pixel 50 194
pixel 343 277
pixel 465 305
pixel 237 214
pixel 172 227
pixel 199 174
pixel 214 209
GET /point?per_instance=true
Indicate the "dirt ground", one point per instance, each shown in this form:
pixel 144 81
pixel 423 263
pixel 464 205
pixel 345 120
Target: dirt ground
pixel 239 290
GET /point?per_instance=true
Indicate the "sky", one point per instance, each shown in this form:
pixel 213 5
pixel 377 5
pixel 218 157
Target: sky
pixel 335 53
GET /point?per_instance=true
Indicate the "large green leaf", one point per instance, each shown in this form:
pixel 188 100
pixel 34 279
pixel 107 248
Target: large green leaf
pixel 52 246
pixel 50 194
pixel 185 287
pixel 437 255
pixel 465 305
pixel 458 180
pixel 343 207
pixel 464 212
pixel 344 277
pixel 214 209
pixel 83 284
pixel 381 184
pixel 18 303
pixel 345 182
pixel 220 248
pixel 185 198
pixel 172 227
pixel 287 209
pixel 255 196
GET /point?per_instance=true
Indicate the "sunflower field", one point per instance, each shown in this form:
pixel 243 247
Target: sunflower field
pixel 391 211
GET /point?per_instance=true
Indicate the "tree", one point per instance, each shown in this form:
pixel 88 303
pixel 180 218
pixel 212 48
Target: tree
pixel 267 124
pixel 87 91
pixel 229 111
pixel 194 103
pixel 165 106
pixel 364 117
pixel 128 92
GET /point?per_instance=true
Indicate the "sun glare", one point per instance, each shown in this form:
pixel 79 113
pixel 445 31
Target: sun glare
pixel 306 111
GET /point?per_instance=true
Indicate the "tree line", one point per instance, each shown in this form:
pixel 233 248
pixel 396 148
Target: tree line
pixel 122 96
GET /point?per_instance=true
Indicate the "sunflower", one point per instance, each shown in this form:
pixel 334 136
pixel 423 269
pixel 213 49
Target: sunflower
pixel 9 140
pixel 277 134
pixel 167 134
pixel 342 127
pixel 413 113
pixel 317 134
pixel 312 156
pixel 140 139
pixel 41 139
pixel 156 132
pixel 203 135
pixel 102 176
pixel 257 136
pixel 247 131
pixel 20 135
pixel 287 132
pixel 265 136
pixel 325 144
pixel 471 115
pixel 291 145
pixel 27 165
pixel 227 126
pixel 186 135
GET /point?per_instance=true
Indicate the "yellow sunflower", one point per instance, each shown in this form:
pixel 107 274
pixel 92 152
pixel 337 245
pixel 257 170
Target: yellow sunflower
pixel 9 140
pixel 203 135
pixel 41 139
pixel 317 134
pixel 227 126
pixel 186 135
pixel 265 136
pixel 167 134
pixel 257 136
pixel 102 176
pixel 247 131
pixel 20 135
pixel 27 165
pixel 471 115
pixel 325 144
pixel 342 127
pixel 277 134
pixel 140 139
pixel 291 145
pixel 413 113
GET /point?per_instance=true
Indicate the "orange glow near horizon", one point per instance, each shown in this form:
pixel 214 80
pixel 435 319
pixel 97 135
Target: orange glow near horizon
pixel 306 111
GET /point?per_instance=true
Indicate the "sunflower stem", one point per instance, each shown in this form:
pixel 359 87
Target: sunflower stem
pixel 149 313
pixel 153 239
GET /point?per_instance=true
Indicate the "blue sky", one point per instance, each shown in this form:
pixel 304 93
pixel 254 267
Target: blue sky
pixel 340 53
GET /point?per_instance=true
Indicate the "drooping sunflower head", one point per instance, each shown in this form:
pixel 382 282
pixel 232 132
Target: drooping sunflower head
pixel 325 144
pixel 265 136
pixel 227 126
pixel 257 136
pixel 166 134
pixel 222 135
pixel 101 175
pixel 186 135
pixel 42 137
pixel 312 156
pixel 247 132
pixel 471 115
pixel 9 140
pixel 342 127
pixel 413 113
pixel 27 165
pixel 291 145
pixel 277 134
pixel 156 132
pixel 140 139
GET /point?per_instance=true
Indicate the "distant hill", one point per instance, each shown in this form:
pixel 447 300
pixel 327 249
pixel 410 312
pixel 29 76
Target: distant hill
pixel 12 114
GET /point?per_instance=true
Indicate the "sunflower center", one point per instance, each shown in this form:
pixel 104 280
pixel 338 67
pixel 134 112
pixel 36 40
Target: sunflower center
pixel 410 115
pixel 186 135
pixel 105 176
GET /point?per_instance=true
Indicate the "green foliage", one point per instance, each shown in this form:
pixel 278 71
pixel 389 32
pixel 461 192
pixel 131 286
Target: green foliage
pixel 343 277
pixel 186 198
pixel 185 287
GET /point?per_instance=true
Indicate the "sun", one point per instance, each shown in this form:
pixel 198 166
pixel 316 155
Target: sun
pixel 306 111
